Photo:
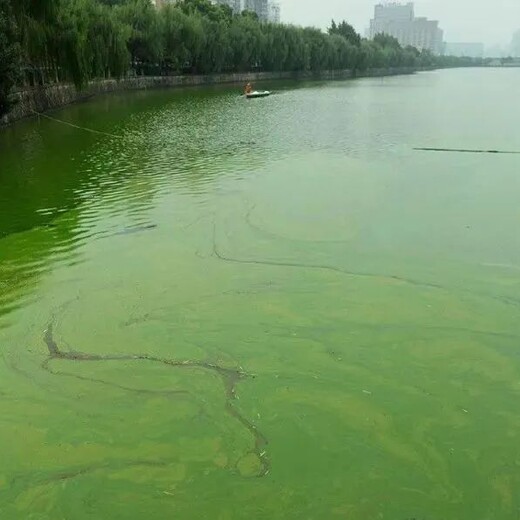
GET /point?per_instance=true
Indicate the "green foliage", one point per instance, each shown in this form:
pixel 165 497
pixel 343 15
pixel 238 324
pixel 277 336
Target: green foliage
pixel 93 43
pixel 78 40
pixel 9 55
pixel 453 61
pixel 247 41
pixel 387 41
pixel 345 30
pixel 250 14
pixel 204 8
pixel 144 44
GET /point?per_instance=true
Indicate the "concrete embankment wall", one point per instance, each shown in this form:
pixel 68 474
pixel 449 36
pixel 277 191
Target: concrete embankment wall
pixel 55 96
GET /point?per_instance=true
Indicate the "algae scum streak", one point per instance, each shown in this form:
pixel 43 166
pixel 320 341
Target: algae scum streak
pixel 280 309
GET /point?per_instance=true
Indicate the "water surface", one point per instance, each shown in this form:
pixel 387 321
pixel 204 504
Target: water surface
pixel 264 310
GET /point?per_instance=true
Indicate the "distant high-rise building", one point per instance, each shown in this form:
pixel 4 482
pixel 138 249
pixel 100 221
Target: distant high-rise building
pixel 464 50
pixel 399 21
pixel 274 12
pixel 387 13
pixel 260 7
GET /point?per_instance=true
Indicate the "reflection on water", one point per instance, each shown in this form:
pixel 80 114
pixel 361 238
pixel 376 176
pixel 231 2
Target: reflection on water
pixel 275 309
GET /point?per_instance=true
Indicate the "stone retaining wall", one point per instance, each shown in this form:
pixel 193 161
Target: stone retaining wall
pixel 55 96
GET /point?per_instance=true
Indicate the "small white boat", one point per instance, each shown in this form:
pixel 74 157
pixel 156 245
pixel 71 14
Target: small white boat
pixel 258 94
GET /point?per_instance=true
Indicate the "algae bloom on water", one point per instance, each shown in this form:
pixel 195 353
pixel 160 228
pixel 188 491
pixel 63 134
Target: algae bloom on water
pixel 273 310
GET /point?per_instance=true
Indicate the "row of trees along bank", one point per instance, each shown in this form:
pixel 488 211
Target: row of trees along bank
pixel 49 41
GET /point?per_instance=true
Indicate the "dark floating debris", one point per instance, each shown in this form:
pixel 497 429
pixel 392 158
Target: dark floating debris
pixel 129 231
pixel 90 130
pixel 257 463
pixel 463 150
pixel 136 229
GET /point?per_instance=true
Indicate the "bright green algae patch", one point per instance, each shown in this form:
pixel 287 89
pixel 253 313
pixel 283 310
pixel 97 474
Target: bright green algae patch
pixel 199 323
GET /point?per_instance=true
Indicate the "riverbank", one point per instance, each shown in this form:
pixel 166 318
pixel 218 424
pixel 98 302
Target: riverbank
pixel 47 98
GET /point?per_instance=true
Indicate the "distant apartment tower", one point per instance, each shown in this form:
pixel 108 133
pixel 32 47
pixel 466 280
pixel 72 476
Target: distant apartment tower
pixel 274 12
pixel 399 21
pixel 260 7
pixel 388 13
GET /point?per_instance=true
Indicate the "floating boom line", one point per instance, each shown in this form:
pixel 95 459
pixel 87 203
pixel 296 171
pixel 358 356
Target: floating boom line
pixel 91 130
pixel 467 150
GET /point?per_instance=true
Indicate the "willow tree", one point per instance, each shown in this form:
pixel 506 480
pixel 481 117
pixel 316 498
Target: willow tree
pixel 247 42
pixel 95 40
pixel 207 9
pixel 320 49
pixel 345 30
pixel 144 42
pixel 9 55
pixel 276 52
pixel 38 23
pixel 173 26
pixel 216 53
pixel 81 40
pixel 344 53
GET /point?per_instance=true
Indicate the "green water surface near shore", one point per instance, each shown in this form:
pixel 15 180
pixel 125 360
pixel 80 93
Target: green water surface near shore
pixel 264 310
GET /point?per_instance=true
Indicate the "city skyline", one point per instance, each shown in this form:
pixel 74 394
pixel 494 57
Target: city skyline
pixel 401 22
pixel 468 21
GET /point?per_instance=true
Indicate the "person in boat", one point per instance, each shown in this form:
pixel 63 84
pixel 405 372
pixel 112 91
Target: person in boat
pixel 248 89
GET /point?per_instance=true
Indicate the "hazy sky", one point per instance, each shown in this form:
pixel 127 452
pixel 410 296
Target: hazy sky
pixel 488 21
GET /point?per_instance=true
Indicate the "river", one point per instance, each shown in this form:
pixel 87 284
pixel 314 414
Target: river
pixel 213 308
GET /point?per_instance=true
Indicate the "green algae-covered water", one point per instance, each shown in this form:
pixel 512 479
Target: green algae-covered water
pixel 277 309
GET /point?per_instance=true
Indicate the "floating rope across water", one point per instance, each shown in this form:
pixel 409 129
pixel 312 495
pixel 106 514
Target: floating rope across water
pixel 457 150
pixel 92 131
